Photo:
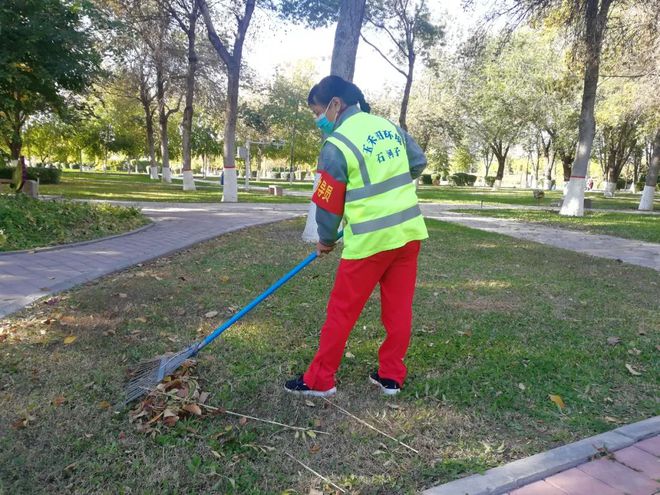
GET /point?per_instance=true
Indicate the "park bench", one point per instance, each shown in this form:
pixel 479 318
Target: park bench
pixel 275 190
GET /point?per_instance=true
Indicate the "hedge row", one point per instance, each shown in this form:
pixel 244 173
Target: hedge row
pixel 45 175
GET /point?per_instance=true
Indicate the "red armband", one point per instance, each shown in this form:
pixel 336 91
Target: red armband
pixel 329 195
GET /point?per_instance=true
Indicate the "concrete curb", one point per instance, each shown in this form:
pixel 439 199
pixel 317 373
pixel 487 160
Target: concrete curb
pixel 81 243
pixel 500 480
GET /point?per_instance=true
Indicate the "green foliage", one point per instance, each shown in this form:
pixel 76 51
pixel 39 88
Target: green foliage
pixel 28 223
pixel 43 174
pixel 48 56
pixel 313 13
pixel 463 179
pixel 490 180
pixel 427 180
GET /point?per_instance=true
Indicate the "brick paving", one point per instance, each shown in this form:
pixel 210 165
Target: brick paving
pixel 26 277
pixel 634 470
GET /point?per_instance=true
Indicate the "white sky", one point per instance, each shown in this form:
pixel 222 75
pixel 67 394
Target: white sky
pixel 272 44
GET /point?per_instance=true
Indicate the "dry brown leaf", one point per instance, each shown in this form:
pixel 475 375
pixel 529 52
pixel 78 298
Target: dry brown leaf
pixel 211 314
pixel 58 401
pixel 122 295
pixel 521 386
pixel 632 370
pixel 315 449
pixel 243 421
pixel 224 279
pixel 634 351
pixel 309 403
pixel 170 420
pixel 19 424
pixel 141 319
pixel 350 355
pixel 557 400
pixel 104 404
pixel 193 409
pixel 203 397
pixel 613 340
pixel 70 339
pixel 314 491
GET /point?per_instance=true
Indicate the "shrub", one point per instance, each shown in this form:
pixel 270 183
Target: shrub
pixel 45 175
pixel 427 180
pixel 490 181
pixel 621 183
pixel 463 179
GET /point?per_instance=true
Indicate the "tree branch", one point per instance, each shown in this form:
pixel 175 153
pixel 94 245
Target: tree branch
pixel 404 74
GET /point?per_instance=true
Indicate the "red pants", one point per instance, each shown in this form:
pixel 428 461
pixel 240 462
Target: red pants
pixel 396 270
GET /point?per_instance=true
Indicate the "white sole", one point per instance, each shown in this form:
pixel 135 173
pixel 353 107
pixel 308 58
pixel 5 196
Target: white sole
pixel 313 393
pixel 386 391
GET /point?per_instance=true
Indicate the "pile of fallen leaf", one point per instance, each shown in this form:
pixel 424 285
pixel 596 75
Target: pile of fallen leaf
pixel 177 397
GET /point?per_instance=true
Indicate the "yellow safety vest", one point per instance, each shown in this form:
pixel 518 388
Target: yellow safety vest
pixel 381 210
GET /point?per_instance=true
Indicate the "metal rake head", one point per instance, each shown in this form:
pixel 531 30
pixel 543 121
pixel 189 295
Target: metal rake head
pixel 147 375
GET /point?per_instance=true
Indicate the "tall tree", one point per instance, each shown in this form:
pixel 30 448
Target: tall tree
pixel 47 57
pixel 186 14
pixel 242 11
pixel 349 15
pixel 408 26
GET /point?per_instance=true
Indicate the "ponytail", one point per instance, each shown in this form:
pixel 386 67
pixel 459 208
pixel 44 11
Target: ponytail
pixel 332 86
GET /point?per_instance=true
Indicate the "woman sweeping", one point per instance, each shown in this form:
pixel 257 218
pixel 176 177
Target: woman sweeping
pixel 367 165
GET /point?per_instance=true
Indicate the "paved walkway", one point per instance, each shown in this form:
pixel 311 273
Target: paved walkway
pixel 625 461
pixel 646 254
pixel 25 277
pixel 633 471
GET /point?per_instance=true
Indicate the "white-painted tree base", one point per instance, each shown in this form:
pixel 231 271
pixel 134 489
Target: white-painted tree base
pixel 610 188
pixel 310 234
pixel 167 175
pixel 230 188
pixel 497 184
pixel 646 203
pixel 153 173
pixel 188 181
pixel 573 205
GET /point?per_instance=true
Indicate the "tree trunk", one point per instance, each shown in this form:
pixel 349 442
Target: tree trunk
pixel 149 125
pixel 347 38
pixel 596 20
pixel 162 120
pixel 646 203
pixel 406 95
pixel 501 161
pixel 16 139
pixel 186 124
pixel 230 190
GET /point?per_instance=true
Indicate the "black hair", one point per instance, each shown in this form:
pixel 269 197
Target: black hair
pixel 332 86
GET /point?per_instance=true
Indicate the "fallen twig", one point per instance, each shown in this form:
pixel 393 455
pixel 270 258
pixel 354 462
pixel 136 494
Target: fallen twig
pixel 372 427
pixel 317 474
pixel 224 411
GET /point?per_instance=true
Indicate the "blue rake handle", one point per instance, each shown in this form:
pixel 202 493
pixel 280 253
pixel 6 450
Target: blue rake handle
pixel 216 333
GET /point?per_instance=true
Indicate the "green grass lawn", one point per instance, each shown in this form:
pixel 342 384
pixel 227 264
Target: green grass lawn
pixel 454 194
pixel 642 227
pixel 27 223
pixel 138 187
pixel 500 324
